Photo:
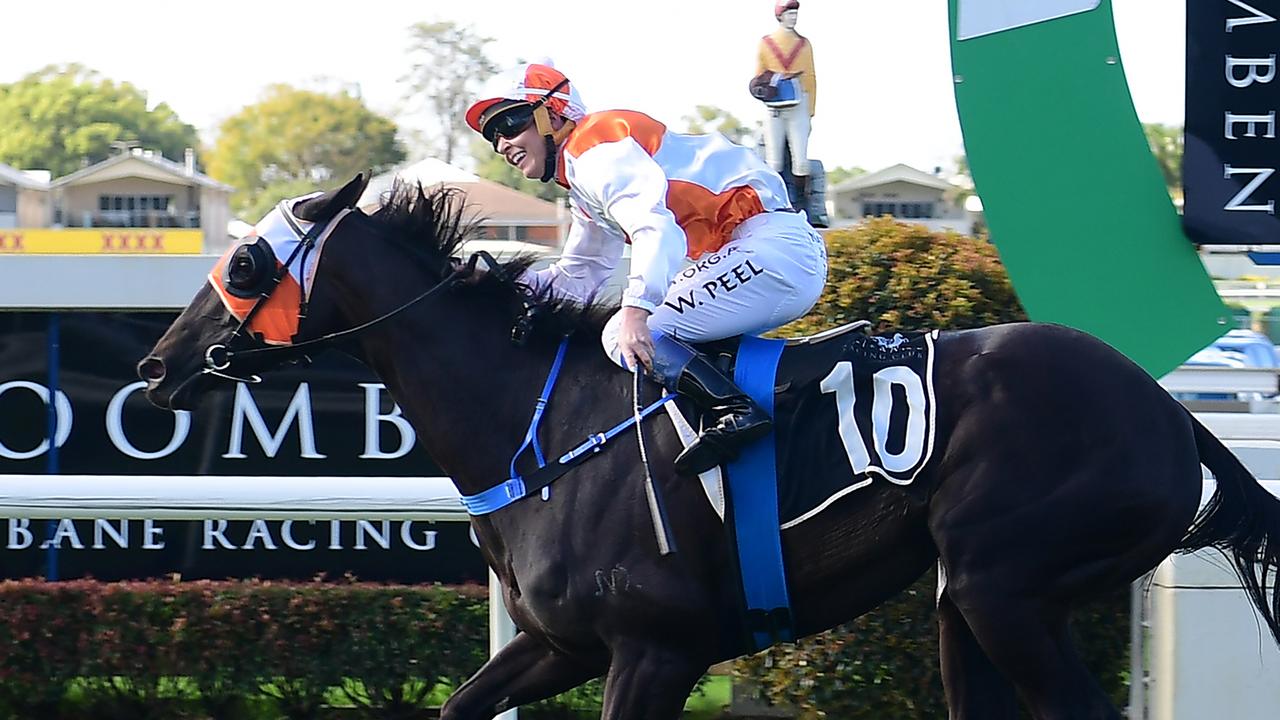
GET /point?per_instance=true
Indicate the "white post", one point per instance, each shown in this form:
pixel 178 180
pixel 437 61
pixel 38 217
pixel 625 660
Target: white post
pixel 1138 626
pixel 501 629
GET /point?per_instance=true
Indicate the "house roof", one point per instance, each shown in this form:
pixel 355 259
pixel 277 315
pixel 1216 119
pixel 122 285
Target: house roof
pixel 495 202
pixel 13 176
pixel 140 163
pixel 892 174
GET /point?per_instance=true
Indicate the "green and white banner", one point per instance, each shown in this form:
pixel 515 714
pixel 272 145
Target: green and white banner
pixel 1076 203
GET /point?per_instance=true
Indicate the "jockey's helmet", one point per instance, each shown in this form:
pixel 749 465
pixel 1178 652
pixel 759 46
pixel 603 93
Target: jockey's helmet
pixel 783 6
pixel 523 95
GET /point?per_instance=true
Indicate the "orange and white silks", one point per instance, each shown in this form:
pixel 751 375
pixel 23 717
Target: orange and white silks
pixel 277 322
pixel 669 195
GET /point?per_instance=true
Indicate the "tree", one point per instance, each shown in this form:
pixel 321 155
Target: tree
pixel 1166 145
pixel 492 166
pixel 449 63
pixel 294 140
pixel 837 175
pixel 707 118
pixel 61 118
pixel 962 183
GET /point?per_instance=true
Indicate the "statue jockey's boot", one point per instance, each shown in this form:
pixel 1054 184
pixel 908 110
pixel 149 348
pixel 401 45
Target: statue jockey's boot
pixel 802 193
pixel 741 421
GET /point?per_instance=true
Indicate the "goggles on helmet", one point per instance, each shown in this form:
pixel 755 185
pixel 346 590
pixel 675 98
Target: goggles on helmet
pixel 510 119
pixel 508 122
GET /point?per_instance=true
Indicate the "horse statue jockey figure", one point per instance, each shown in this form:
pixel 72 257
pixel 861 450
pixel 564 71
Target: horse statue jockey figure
pixel 787 83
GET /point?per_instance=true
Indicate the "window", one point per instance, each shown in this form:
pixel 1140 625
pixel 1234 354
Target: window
pixel 135 211
pixel 917 210
pixel 876 209
pixel 904 210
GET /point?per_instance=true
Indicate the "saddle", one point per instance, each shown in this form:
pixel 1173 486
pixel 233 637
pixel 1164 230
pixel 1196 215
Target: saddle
pixel 775 90
pixel 821 346
pixel 847 406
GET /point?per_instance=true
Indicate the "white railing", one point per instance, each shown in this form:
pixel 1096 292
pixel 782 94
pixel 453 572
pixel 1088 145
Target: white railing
pixel 132 497
pixel 1197 379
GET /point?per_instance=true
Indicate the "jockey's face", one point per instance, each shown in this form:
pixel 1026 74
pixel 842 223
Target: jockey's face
pixel 788 19
pixel 526 152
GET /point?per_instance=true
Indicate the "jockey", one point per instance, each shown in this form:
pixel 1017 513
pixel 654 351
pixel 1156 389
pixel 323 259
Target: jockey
pixel 757 264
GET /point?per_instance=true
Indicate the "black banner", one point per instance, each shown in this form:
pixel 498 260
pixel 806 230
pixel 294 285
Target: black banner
pixel 1232 151
pixel 333 418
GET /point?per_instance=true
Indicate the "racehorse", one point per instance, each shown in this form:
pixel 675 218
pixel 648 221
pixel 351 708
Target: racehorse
pixel 1062 470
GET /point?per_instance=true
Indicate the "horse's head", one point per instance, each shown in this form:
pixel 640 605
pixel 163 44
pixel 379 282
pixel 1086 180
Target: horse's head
pixel 257 296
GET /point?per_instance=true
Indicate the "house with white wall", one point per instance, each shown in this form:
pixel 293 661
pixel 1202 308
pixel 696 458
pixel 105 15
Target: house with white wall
pixel 905 193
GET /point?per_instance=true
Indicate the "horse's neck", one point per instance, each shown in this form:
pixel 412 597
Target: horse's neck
pixel 467 390
pixel 459 396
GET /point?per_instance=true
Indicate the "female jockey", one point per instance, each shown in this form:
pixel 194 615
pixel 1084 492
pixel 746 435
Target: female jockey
pixel 757 264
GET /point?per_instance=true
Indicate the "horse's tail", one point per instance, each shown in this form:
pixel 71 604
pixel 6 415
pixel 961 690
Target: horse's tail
pixel 1241 519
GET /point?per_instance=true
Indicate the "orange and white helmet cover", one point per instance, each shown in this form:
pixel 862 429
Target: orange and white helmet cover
pixel 529 82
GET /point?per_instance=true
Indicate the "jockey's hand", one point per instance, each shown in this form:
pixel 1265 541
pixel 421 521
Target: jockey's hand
pixel 635 342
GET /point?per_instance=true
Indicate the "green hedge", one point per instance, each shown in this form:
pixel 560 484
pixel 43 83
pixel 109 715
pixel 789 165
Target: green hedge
pixel 884 665
pixel 158 649
pixel 241 650
pixel 905 277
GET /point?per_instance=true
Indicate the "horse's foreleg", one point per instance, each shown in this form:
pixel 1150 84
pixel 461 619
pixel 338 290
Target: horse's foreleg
pixel 647 682
pixel 523 671
pixel 975 689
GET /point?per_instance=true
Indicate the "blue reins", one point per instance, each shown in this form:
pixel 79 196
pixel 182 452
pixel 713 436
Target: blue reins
pixel 516 486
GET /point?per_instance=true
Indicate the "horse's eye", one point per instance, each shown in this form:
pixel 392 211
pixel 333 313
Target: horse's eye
pixel 241 271
pixel 249 270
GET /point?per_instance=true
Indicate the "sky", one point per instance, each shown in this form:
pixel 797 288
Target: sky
pixel 884 77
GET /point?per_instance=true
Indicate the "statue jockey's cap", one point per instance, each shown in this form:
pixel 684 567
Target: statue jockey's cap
pixel 527 83
pixel 785 5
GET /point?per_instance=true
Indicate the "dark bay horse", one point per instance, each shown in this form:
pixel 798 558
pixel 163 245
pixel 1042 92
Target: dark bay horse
pixel 1061 470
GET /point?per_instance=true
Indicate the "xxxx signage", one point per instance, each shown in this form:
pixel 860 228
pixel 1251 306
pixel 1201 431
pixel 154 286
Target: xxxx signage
pixel 91 241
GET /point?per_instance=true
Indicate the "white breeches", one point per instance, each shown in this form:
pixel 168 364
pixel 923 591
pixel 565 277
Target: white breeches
pixel 792 126
pixel 771 272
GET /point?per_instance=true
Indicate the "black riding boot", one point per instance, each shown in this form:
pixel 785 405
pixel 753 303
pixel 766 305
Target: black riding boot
pixel 741 421
pixel 802 192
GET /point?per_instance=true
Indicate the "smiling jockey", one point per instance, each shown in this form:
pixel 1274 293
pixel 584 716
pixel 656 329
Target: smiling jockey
pixel 757 264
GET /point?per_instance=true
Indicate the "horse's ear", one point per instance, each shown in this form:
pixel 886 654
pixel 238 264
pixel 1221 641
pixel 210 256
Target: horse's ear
pixel 323 207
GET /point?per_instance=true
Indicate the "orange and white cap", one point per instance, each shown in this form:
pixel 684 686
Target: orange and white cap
pixel 529 82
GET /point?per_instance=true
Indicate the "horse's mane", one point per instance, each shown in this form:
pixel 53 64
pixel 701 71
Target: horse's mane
pixel 438 223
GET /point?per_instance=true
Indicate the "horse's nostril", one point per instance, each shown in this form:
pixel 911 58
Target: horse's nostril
pixel 151 369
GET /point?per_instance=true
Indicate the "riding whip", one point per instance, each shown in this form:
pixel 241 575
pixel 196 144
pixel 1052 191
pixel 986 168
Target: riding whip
pixel 666 542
